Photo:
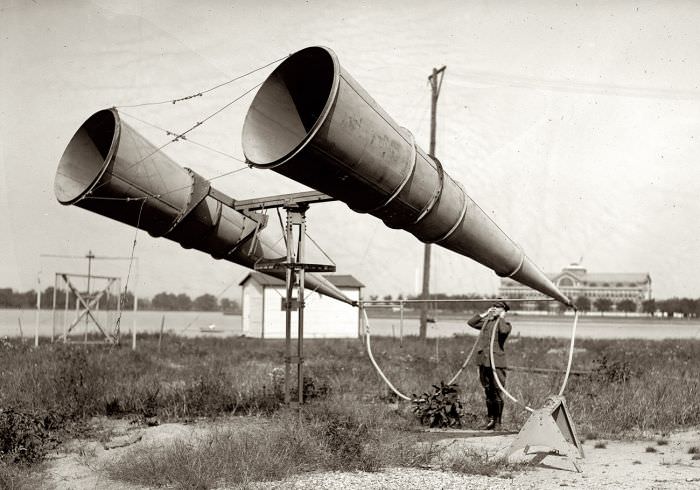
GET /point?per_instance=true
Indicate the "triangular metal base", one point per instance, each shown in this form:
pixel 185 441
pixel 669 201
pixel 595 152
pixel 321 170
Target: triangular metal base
pixel 549 427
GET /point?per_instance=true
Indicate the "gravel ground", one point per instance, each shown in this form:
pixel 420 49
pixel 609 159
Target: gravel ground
pixel 616 464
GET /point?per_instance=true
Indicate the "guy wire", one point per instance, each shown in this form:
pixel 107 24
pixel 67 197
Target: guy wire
pixel 199 94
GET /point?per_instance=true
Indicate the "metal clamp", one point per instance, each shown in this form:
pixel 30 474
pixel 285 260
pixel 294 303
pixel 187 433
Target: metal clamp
pixel 438 191
pixel 459 221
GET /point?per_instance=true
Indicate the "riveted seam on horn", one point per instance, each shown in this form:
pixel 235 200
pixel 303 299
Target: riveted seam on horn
pixel 436 195
pixel 407 177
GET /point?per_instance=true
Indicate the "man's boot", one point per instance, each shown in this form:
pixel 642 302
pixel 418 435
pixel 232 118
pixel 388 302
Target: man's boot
pixel 497 412
pixel 491 409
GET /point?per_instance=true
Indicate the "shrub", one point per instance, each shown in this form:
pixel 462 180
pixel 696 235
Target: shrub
pixel 614 371
pixel 25 437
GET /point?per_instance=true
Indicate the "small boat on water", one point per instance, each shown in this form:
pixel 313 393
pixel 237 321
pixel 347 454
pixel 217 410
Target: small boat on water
pixel 210 329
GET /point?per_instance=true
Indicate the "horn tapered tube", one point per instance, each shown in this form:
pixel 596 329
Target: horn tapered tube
pixel 312 122
pixel 110 169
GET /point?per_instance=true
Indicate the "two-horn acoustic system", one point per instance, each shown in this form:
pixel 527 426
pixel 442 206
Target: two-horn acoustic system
pixel 312 122
pixel 110 169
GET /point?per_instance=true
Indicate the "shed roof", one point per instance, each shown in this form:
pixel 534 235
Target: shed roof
pixel 344 281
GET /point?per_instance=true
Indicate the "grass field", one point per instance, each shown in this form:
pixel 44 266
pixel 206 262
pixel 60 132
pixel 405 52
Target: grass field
pixel 49 394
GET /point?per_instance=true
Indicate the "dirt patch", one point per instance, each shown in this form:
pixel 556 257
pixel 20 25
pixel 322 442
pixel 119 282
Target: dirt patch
pixel 615 464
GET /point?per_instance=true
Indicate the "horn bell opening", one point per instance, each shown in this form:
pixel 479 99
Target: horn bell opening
pixel 290 106
pixel 85 158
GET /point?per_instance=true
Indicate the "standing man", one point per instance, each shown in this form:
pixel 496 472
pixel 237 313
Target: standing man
pixel 494 317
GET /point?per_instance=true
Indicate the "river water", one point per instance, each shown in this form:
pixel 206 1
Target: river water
pixel 192 324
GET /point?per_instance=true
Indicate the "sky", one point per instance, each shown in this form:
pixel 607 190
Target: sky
pixel 575 126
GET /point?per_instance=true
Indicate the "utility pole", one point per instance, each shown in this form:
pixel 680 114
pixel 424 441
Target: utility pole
pixel 435 80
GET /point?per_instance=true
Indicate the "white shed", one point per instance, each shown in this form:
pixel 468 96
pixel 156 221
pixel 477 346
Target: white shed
pixel 263 316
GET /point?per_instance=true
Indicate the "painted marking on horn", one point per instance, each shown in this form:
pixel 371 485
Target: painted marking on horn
pixel 407 177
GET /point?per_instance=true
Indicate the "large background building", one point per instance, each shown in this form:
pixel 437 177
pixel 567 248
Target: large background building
pixel 575 281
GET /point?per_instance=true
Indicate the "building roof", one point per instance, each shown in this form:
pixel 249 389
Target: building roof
pixel 262 279
pixel 339 280
pixel 344 281
pixel 595 278
pixel 614 278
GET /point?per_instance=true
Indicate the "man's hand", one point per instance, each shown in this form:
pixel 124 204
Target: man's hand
pixel 488 313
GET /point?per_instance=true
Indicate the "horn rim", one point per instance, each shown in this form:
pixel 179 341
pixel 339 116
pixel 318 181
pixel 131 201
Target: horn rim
pixel 93 180
pixel 320 120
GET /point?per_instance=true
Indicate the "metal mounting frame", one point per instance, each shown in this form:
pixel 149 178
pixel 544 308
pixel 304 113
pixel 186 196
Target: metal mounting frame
pixel 293 264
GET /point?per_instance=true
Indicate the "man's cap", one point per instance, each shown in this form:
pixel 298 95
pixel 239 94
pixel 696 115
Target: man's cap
pixel 501 304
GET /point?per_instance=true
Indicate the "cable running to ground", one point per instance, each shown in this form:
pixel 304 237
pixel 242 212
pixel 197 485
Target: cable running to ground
pixel 131 261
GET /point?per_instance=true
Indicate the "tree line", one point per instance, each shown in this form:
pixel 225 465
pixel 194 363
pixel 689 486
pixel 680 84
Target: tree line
pixel 163 301
pixel 686 307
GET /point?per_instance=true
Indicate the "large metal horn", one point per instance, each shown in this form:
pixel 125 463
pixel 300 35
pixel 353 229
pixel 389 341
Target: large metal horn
pixel 110 169
pixel 312 122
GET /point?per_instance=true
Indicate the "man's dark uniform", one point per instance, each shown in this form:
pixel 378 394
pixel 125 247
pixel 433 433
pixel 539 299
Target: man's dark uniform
pixel 494 402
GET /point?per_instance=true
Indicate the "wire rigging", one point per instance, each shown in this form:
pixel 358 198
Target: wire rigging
pixel 181 136
pixel 189 140
pixel 131 261
pixel 200 94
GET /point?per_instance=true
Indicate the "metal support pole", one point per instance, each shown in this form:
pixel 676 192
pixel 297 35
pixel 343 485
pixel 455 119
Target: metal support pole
pixel 38 310
pixel 89 256
pixel 288 308
pixel 65 313
pixel 136 307
pixel 401 326
pixel 301 217
pixel 53 310
pixel 77 311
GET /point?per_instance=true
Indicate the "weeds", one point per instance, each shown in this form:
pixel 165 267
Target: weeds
pixel 55 389
pixel 473 462
pixel 329 436
pixel 651 449
pixel 600 445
